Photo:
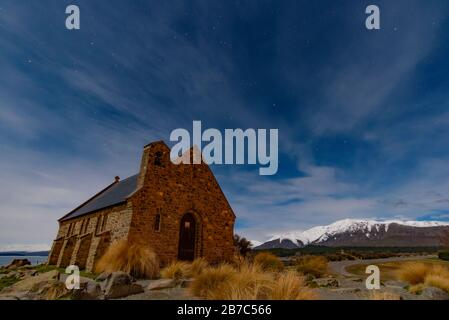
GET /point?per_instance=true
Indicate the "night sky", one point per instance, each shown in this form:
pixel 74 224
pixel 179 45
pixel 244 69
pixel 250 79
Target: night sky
pixel 362 115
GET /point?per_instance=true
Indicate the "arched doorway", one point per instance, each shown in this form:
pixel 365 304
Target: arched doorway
pixel 187 237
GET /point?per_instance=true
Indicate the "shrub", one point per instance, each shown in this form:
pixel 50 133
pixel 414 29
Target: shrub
pixel 138 260
pixel 290 286
pixel 181 269
pixel 437 281
pixel 443 255
pixel 414 272
pixel 197 267
pixel 208 282
pixel 313 265
pixel 242 244
pixel 249 282
pixel 175 270
pixel 269 262
pixel 421 275
pixel 417 288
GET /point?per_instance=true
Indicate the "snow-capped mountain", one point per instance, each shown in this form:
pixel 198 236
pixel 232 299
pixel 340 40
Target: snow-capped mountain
pixel 351 232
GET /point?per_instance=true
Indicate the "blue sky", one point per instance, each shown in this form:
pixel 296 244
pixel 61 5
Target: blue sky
pixel 362 115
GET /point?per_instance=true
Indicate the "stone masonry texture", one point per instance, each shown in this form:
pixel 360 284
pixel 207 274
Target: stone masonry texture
pixel 151 216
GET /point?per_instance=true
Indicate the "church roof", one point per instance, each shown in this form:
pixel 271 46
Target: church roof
pixel 112 195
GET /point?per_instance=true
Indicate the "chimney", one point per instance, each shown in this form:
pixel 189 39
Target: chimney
pixel 117 179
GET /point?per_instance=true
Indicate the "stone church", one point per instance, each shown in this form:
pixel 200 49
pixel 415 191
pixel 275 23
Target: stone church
pixel 179 211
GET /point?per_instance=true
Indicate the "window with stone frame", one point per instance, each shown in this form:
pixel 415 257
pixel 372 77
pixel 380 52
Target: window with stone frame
pixel 104 222
pixel 99 223
pixel 69 231
pixel 157 222
pixel 85 225
pixel 158 159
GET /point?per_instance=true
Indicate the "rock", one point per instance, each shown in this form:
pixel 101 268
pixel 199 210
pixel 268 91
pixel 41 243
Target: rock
pixel 5 297
pixel 102 276
pixel 27 273
pixel 53 290
pixel 33 283
pixel 16 263
pixel 433 293
pixel 162 284
pixel 326 282
pixel 346 290
pixel 89 290
pixel 395 284
pixel 120 284
pixel 185 283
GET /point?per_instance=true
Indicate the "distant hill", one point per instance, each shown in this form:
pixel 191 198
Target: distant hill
pixel 363 233
pixel 24 253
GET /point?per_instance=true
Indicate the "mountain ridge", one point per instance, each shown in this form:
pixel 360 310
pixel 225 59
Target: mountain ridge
pixel 363 232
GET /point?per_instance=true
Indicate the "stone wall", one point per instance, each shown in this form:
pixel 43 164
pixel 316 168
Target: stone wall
pixel 172 191
pixel 81 245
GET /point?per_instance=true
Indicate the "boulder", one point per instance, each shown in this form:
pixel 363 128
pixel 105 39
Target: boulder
pixel 52 290
pixel 326 283
pixel 102 276
pixel 89 290
pixel 120 284
pixel 395 284
pixel 346 290
pixel 16 263
pixel 162 284
pixel 185 283
pixel 33 283
pixel 433 293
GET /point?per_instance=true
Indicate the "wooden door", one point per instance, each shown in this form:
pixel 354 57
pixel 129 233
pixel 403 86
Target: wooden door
pixel 187 236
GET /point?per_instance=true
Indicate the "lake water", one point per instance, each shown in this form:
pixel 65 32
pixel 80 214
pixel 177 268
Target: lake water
pixel 5 260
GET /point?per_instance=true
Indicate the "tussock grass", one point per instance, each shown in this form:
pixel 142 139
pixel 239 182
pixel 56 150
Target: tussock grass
pixel 290 286
pixel 414 272
pixel 421 275
pixel 314 265
pixel 438 281
pixel 249 281
pixel 269 262
pixel 138 260
pixel 208 283
pixel 181 269
pixel 175 270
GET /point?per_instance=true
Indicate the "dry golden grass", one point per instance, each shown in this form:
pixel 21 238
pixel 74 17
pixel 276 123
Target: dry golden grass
pixel 420 275
pixel 138 260
pixel 437 281
pixel 181 269
pixel 414 272
pixel 417 288
pixel 314 265
pixel 176 270
pixel 198 266
pixel 208 282
pixel 249 282
pixel 291 286
pixel 269 262
pixel 384 295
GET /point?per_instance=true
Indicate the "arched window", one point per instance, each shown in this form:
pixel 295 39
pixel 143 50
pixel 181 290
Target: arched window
pixel 157 222
pixel 158 159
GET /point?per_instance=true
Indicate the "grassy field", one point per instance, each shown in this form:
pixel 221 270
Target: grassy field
pixel 389 270
pixel 353 253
